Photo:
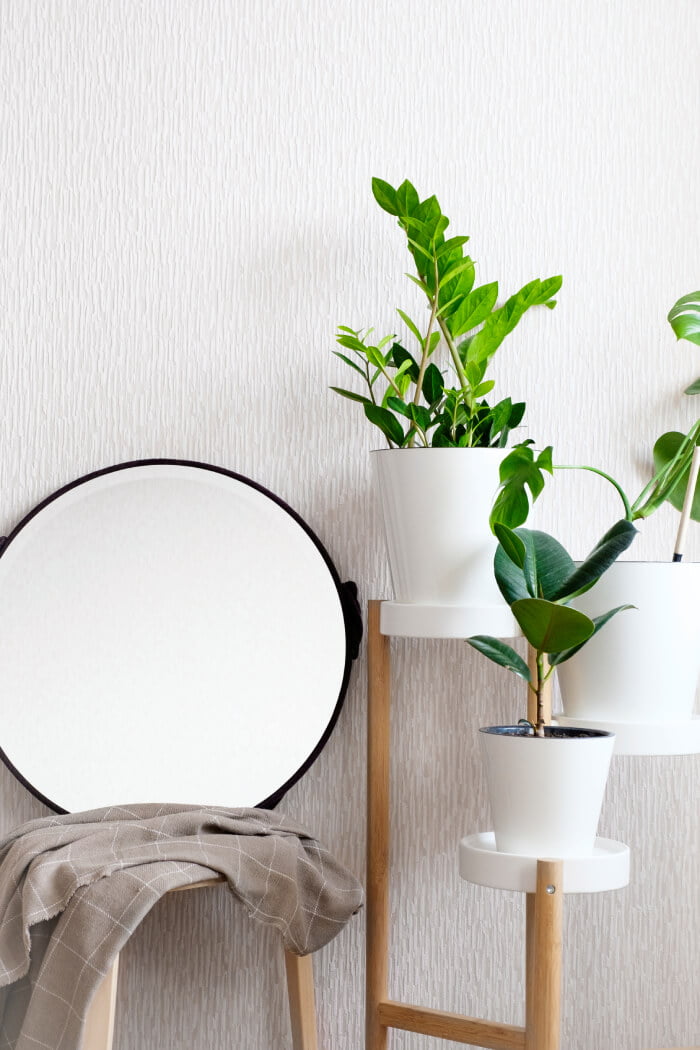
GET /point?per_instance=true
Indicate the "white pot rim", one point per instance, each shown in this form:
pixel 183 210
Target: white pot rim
pixel 566 733
pixel 443 451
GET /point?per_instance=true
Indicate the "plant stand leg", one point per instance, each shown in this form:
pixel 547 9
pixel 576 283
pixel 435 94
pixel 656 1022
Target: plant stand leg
pixel 377 906
pixel 98 1032
pixel 543 939
pixel 302 1006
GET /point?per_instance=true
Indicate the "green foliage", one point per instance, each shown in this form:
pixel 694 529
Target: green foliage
pixel 538 578
pixel 444 404
pixel 520 471
pixel 673 451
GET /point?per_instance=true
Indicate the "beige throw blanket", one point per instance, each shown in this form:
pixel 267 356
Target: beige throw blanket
pixel 74 888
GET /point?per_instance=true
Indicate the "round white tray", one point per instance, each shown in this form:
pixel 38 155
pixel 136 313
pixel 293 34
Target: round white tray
pixel 647 738
pixel 607 868
pixel 403 620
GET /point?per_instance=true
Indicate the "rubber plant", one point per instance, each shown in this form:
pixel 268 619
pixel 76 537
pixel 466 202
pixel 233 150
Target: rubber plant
pixel 538 578
pixel 437 395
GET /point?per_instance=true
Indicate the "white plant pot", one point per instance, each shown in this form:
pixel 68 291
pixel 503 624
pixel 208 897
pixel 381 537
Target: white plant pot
pixel 643 666
pixel 436 504
pixel 546 794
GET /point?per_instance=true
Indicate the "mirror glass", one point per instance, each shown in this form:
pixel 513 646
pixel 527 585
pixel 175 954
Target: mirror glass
pixel 169 632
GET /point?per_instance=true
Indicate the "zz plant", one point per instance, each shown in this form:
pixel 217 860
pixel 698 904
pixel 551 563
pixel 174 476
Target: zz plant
pixel 538 579
pixel 412 399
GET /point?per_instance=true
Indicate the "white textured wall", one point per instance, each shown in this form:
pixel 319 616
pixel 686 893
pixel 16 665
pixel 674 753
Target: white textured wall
pixel 186 215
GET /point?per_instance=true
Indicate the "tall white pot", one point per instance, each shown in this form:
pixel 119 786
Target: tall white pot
pixel 546 794
pixel 436 504
pixel 643 666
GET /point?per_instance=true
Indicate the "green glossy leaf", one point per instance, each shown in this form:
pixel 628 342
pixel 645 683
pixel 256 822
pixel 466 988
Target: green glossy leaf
pixel 475 308
pixel 615 541
pixel 549 627
pixel 665 451
pixel 407 199
pixel 385 196
pixel 519 471
pixel 401 357
pixel 509 577
pixel 694 388
pixel 501 654
pixel 387 423
pixel 598 621
pixel 512 544
pixel 554 564
pixel 352 364
pixel 432 384
pixel 351 395
pixel 684 317
pixel 411 325
pixel 449 245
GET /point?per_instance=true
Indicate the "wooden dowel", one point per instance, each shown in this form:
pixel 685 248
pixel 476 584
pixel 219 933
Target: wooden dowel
pixel 302 1006
pixel 455 1027
pixel 378 751
pixel 543 1021
pixel 546 692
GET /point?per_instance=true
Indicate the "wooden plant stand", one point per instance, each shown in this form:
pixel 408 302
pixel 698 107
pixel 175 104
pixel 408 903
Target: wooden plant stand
pixel 544 881
pixel 99 1025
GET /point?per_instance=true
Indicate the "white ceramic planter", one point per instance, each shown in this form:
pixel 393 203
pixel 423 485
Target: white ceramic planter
pixel 643 666
pixel 546 794
pixel 436 504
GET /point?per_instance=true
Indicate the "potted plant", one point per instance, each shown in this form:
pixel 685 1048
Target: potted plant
pixel 436 503
pixel 546 783
pixel 641 676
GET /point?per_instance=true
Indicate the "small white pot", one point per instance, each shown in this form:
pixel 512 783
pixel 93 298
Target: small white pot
pixel 546 794
pixel 436 504
pixel 643 666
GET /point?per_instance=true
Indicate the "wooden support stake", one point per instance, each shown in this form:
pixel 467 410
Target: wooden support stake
pixel 543 1015
pixel 546 693
pixel 378 750
pixel 302 1006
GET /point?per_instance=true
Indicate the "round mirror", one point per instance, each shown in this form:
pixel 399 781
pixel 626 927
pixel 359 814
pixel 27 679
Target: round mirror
pixel 169 632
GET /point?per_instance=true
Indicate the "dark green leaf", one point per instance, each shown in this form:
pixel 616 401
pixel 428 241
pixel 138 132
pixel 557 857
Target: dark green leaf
pixel 432 384
pixel 351 395
pixel 385 196
pixel 387 423
pixel 554 564
pixel 549 627
pixel 694 388
pixel 400 356
pixel 599 621
pixel 519 471
pixel 509 577
pixel 665 450
pixel 352 364
pixel 501 654
pixel 512 544
pixel 615 541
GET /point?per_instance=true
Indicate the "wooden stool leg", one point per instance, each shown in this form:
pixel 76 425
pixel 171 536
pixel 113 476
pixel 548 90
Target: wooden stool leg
pixel 377 907
pixel 98 1033
pixel 543 948
pixel 302 1006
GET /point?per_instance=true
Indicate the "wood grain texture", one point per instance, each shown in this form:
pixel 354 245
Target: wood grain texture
pixel 453 1027
pixel 185 215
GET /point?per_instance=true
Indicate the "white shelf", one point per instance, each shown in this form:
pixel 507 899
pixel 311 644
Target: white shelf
pixel 607 868
pixel 646 738
pixel 404 620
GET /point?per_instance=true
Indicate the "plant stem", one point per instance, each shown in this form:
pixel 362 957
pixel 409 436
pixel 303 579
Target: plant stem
pixel 594 470
pixel 541 679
